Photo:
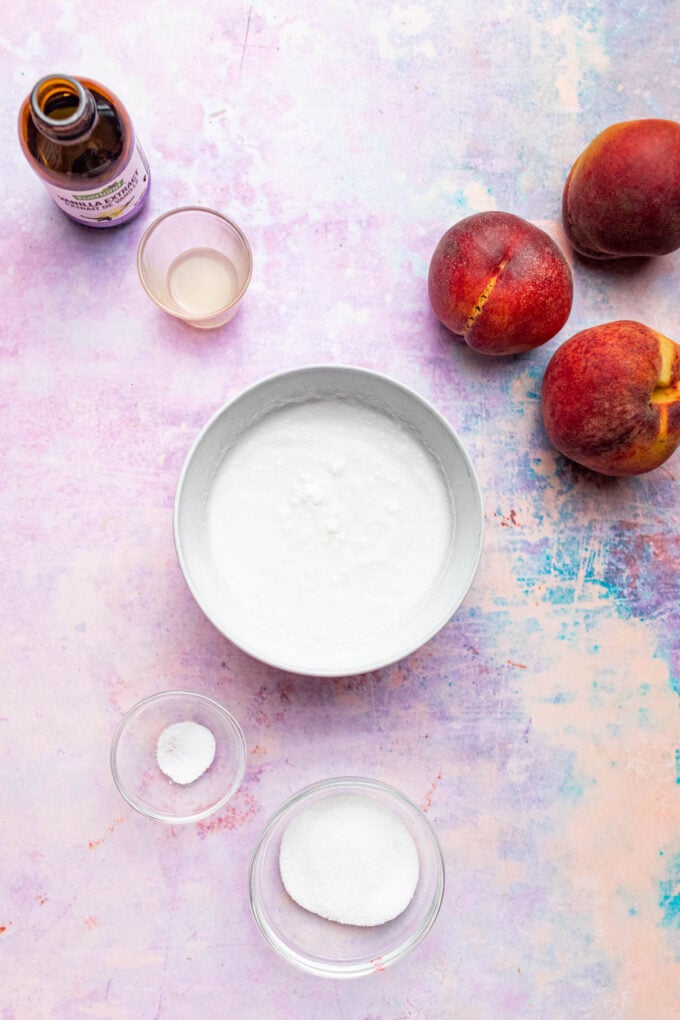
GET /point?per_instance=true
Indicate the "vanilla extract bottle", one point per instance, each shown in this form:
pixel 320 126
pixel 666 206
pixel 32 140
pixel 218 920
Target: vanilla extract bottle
pixel 79 139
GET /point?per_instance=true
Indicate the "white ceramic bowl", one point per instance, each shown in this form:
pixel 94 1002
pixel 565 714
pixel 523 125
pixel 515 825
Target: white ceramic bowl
pixel 322 947
pixel 310 654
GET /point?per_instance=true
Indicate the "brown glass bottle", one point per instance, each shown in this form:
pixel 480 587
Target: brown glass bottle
pixel 79 139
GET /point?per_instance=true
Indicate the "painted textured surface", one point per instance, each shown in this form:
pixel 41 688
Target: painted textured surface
pixel 539 728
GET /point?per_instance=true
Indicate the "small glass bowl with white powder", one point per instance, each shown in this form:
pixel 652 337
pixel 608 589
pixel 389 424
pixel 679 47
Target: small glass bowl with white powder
pixel 178 756
pixel 347 878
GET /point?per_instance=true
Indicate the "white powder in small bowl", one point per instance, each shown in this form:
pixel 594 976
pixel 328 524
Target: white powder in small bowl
pixel 184 751
pixel 349 859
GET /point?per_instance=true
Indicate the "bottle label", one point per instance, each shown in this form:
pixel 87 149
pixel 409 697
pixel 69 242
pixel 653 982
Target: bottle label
pixel 111 204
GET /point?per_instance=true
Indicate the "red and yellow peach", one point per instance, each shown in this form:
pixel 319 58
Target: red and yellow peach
pixel 611 398
pixel 500 282
pixel 622 195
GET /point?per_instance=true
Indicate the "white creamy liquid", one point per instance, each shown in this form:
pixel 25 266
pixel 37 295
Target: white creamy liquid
pixel 328 522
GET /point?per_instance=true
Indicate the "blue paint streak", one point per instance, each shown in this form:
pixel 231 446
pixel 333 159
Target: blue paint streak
pixel 669 895
pixel 562 699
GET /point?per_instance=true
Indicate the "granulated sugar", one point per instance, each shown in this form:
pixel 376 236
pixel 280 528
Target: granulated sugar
pixel 349 859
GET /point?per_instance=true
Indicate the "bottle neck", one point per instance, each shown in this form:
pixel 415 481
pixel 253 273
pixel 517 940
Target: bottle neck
pixel 62 108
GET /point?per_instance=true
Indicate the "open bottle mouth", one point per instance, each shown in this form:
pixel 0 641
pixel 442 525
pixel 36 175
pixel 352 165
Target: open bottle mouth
pixel 61 105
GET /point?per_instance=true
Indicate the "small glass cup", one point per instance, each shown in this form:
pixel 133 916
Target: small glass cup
pixel 195 264
pixel 136 772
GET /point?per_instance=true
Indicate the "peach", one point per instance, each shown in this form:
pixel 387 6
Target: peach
pixel 500 282
pixel 611 398
pixel 622 195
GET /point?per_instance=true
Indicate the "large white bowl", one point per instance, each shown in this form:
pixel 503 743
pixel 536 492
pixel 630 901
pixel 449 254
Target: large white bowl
pixel 193 498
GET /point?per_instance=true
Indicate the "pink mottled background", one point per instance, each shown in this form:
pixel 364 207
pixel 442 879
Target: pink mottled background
pixel 539 729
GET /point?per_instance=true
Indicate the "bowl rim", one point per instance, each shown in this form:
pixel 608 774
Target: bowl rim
pixel 386 659
pixel 164 816
pixel 376 964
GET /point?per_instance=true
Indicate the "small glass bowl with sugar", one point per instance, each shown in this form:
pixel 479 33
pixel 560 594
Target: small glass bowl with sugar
pixel 347 878
pixel 178 756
